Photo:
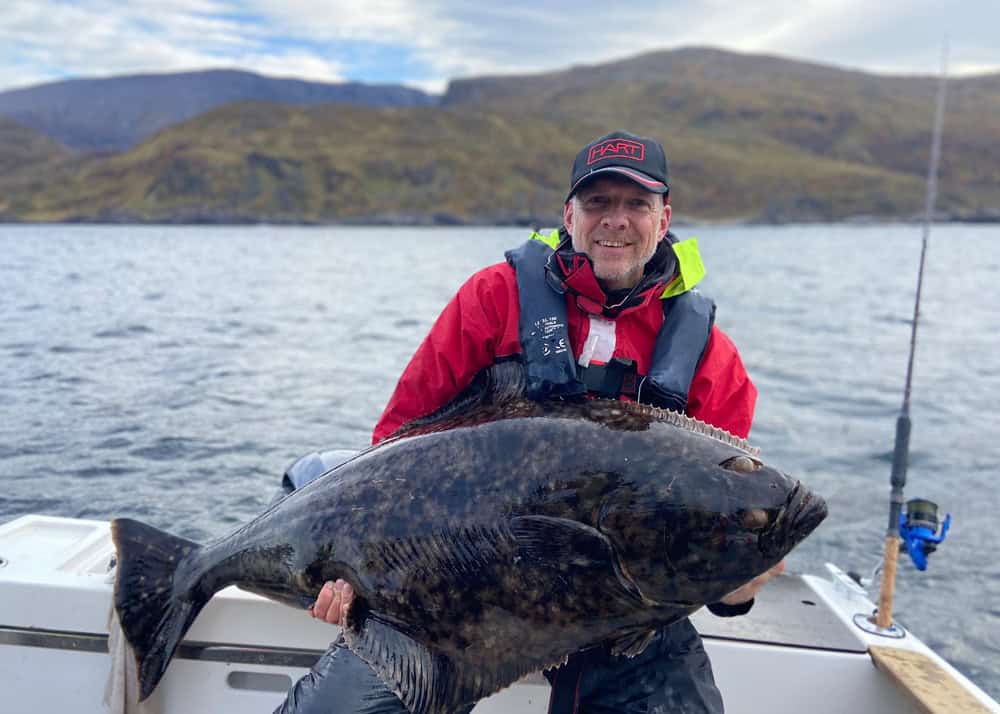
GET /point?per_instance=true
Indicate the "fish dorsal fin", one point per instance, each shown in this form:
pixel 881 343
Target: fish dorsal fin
pixel 683 421
pixel 493 388
pixel 408 668
pixel 613 412
pixel 426 681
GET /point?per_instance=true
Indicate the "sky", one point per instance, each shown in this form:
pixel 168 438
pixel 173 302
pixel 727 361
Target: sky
pixel 425 43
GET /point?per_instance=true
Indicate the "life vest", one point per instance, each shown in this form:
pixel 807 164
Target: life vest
pixel 550 365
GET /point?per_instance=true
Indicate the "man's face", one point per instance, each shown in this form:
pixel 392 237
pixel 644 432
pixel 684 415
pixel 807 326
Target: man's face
pixel 618 224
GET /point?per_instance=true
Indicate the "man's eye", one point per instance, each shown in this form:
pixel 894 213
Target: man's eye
pixel 595 202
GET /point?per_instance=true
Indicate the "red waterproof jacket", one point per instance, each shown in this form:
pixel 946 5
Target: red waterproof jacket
pixel 480 326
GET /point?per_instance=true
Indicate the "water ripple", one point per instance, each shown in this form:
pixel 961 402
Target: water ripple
pixel 100 471
pixel 69 349
pixel 114 443
pixel 123 332
pixel 19 346
pixel 167 449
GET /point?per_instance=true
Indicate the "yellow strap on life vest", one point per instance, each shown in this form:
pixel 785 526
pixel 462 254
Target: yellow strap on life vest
pixel 690 268
pixel 551 240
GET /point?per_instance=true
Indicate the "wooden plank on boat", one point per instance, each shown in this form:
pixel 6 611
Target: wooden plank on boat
pixel 931 686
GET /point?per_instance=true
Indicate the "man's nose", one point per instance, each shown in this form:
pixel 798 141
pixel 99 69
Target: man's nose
pixel 615 215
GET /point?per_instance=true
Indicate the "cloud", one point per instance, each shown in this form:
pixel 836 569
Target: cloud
pixel 893 36
pixel 427 42
pixel 455 38
pixel 99 38
pixel 299 65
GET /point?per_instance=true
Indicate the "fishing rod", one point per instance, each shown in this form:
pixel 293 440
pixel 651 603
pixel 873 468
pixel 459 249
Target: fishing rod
pixel 918 527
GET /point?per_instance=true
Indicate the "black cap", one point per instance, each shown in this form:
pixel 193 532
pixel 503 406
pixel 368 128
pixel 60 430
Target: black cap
pixel 635 157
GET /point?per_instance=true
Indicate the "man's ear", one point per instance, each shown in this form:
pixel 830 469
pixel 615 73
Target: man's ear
pixel 664 220
pixel 568 216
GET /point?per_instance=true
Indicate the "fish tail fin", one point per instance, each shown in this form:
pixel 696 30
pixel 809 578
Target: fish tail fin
pixel 154 610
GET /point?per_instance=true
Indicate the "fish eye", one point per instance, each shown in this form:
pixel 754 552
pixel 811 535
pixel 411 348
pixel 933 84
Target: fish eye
pixel 755 519
pixel 741 464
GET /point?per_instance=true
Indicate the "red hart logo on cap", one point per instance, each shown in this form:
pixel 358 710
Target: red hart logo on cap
pixel 616 149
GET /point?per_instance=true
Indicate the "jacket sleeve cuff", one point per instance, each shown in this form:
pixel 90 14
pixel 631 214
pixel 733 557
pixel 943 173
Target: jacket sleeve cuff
pixel 723 610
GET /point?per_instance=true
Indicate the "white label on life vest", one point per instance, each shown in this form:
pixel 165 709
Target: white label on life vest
pixel 600 343
pixel 550 328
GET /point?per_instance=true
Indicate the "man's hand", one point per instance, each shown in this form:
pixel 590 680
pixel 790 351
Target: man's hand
pixel 333 602
pixel 749 591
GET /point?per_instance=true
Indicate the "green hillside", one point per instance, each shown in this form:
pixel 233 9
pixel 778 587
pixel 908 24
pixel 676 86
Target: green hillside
pixel 264 162
pixel 25 157
pixel 749 138
pixel 21 147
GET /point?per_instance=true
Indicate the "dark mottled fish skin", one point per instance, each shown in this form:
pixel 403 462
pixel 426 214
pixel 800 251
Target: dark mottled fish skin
pixel 490 545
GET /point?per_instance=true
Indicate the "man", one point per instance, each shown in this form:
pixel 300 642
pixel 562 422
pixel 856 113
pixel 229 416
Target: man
pixel 602 308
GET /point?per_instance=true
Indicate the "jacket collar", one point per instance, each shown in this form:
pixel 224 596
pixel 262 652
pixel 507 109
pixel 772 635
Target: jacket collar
pixel 568 271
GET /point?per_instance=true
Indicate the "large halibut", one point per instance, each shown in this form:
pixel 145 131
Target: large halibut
pixel 490 545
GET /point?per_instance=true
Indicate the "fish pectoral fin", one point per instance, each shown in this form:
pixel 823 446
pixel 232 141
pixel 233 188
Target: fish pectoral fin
pixel 426 681
pixel 556 541
pixel 632 643
pixel 574 549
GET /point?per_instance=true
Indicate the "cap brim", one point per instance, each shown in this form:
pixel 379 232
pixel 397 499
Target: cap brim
pixel 645 180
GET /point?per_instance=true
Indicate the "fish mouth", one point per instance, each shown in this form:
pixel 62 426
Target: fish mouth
pixel 805 510
pixel 802 512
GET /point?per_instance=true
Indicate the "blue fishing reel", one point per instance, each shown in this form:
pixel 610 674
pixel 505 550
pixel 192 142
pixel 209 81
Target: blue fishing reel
pixel 918 527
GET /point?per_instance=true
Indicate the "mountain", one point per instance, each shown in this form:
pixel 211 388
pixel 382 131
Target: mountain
pixel 749 138
pixel 21 147
pixel 114 114
pixel 743 130
pixel 332 163
pixel 26 157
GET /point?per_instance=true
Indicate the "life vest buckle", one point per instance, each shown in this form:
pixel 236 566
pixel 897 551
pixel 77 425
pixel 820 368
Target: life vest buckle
pixel 611 380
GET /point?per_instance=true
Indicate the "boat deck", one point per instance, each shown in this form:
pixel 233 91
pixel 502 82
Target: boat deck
pixel 789 614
